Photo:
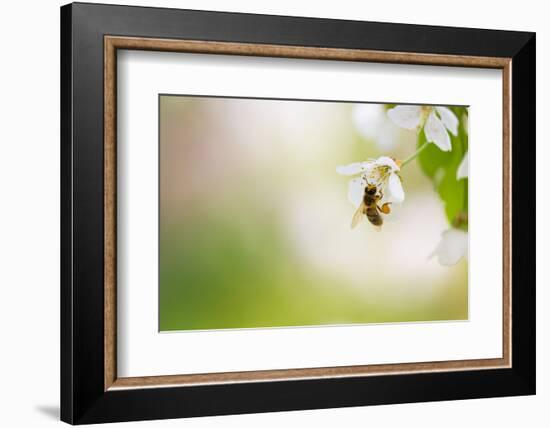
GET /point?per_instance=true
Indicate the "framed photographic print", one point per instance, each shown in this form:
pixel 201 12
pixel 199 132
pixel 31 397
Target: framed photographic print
pixel 265 213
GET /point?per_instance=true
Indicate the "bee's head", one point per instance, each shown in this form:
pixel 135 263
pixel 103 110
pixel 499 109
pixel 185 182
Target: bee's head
pixel 371 189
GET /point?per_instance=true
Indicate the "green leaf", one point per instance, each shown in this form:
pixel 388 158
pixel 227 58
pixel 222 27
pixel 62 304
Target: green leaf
pixel 432 158
pixel 453 192
pixel 441 168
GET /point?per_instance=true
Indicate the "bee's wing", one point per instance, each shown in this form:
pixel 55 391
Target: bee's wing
pixel 358 216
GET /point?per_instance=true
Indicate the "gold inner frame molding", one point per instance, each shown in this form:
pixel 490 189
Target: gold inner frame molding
pixel 113 43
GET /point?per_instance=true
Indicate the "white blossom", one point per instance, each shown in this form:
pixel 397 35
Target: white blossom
pixel 382 172
pixel 465 123
pixel 452 247
pixel 462 171
pixel 435 121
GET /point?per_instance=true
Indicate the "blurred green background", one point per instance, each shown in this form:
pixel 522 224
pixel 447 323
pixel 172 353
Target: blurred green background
pixel 255 222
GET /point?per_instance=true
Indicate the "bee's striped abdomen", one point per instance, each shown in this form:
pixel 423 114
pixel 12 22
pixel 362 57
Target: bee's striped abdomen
pixel 374 216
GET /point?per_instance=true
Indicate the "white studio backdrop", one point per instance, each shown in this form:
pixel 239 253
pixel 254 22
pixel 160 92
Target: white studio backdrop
pixel 29 226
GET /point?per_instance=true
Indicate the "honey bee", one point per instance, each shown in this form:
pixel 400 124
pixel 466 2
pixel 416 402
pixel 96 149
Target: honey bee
pixel 369 207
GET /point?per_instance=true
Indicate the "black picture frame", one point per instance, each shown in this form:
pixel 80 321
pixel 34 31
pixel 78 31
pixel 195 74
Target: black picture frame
pixel 83 396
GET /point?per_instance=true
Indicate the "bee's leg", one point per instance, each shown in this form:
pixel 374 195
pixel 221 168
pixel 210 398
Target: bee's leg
pixel 385 209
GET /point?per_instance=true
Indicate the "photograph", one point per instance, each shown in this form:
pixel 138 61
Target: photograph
pixel 303 213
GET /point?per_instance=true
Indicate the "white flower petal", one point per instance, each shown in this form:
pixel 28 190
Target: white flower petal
pixel 449 119
pixel 354 168
pixel 465 123
pixel 452 247
pixel 356 190
pixel 407 117
pixel 436 133
pixel 386 161
pixel 462 171
pixel 395 189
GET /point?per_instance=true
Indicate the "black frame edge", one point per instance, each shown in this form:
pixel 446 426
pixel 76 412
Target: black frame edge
pixel 305 31
pixel 524 219
pixel 66 130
